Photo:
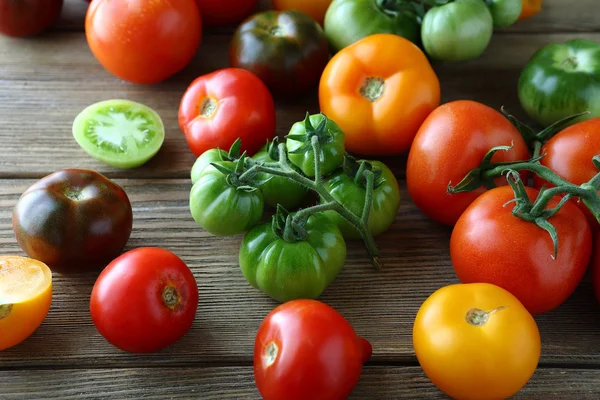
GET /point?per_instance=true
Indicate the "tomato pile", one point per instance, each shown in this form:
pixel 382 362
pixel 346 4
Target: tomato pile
pixel 523 204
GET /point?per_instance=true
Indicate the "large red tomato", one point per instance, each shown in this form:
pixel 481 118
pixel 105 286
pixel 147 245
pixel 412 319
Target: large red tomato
pixel 225 105
pixel 451 142
pixel 144 300
pixel 491 245
pixel 221 12
pixel 304 349
pixel 595 266
pixel 143 41
pixel 569 153
pixel 20 18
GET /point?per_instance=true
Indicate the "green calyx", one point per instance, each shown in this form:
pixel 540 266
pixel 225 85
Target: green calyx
pixel 237 175
pixel 395 7
pixel 356 169
pixel 287 227
pixel 322 134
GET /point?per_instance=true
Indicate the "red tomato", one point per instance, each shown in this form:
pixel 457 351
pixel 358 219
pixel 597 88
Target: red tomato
pixel 222 13
pixel 569 153
pixel 219 107
pixel 451 142
pixel 144 300
pixel 304 349
pixel 20 18
pixel 491 245
pixel 143 41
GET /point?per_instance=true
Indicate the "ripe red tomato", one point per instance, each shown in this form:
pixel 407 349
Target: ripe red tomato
pixel 595 267
pixel 569 153
pixel 219 107
pixel 20 18
pixel 143 41
pixel 222 13
pixel 491 245
pixel 144 300
pixel 304 349
pixel 451 142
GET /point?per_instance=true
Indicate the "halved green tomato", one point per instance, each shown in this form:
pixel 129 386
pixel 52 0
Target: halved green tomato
pixel 120 133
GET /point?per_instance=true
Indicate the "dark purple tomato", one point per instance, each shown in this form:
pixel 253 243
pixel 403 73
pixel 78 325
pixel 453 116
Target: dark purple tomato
pixel 21 18
pixel 73 220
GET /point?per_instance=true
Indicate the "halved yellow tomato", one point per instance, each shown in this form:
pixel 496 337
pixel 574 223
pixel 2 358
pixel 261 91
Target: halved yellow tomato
pixel 25 298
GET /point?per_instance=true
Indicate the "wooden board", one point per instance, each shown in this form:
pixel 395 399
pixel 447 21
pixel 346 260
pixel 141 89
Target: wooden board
pixel 238 383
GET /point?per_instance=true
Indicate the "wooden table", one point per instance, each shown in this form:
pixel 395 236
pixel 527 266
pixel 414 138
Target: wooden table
pixel 46 81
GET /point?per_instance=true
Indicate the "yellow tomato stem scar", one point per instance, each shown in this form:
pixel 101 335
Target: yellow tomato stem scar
pixel 208 107
pixel 372 88
pixel 477 317
pixel 5 310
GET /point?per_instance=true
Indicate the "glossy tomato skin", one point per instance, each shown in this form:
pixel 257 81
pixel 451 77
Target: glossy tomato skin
pixel 22 18
pixel 489 244
pixel 469 360
pixel 569 154
pixel 305 349
pixel 144 300
pixel 315 8
pixel 377 98
pixel 351 193
pixel 286 49
pixel 73 220
pixel 289 270
pixel 451 142
pixel 143 42
pixel 224 105
pixel 595 267
pixel 222 13
pixel 348 21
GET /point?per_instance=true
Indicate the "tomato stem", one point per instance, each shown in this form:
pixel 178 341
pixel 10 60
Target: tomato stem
pixel 283 168
pixel 170 297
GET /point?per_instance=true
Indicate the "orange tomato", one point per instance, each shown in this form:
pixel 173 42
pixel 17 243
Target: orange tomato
pixel 314 8
pixel 25 297
pixel 530 8
pixel 476 341
pixel 379 90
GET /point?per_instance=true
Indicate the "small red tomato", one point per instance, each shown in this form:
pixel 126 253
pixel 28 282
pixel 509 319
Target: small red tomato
pixel 144 300
pixel 221 13
pixel 491 245
pixel 225 105
pixel 21 18
pixel 143 41
pixel 304 349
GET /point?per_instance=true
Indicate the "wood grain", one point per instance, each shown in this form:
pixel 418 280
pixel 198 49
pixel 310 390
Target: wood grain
pixel 46 82
pixel 380 305
pixel 237 383
pixel 556 16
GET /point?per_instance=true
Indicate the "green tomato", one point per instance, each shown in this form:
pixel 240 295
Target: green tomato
pixel 331 138
pixel 505 12
pixel 457 31
pixel 221 208
pixel 121 133
pixel 351 194
pixel 560 80
pixel 348 21
pixel 279 190
pixel 204 161
pixel 289 270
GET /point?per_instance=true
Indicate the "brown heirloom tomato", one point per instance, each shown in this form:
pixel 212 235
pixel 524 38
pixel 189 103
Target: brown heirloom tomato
pixel 286 49
pixel 22 18
pixel 73 220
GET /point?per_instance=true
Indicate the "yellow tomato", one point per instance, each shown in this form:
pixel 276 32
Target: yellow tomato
pixel 476 341
pixel 25 297
pixel 314 8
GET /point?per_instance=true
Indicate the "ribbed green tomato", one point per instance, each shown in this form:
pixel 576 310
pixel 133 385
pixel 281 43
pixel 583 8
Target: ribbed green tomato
pixel 295 269
pixel 351 193
pixel 220 207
